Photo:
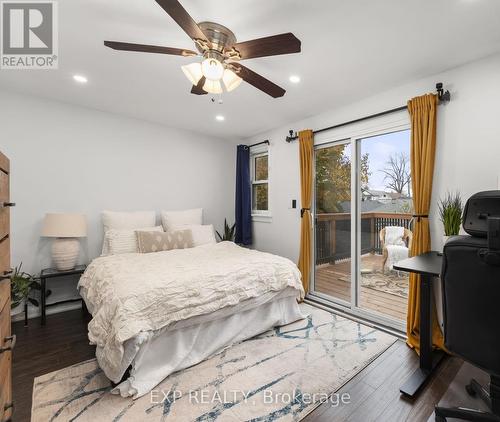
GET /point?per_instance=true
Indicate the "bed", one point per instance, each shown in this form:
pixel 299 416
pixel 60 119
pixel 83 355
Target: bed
pixel 157 313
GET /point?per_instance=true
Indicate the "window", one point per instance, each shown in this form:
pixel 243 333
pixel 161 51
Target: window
pixel 260 183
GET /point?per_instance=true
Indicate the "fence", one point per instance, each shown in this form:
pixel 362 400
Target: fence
pixel 333 233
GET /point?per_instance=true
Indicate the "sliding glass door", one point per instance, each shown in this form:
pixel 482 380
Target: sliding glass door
pixel 333 221
pixel 363 210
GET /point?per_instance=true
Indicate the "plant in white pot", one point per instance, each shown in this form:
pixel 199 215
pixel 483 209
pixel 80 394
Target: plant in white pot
pixel 450 211
pixel 21 284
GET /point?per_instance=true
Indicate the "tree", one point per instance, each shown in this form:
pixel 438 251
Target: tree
pixel 397 173
pixel 333 178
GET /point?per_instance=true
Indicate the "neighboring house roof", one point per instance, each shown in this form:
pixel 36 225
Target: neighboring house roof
pixel 394 206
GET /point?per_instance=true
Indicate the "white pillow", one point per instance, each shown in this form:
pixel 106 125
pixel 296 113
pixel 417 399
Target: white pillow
pixel 202 235
pixel 125 240
pixel 113 220
pixel 174 220
pixel 128 220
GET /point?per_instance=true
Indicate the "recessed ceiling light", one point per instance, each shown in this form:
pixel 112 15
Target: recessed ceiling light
pixel 80 79
pixel 220 118
pixel 294 79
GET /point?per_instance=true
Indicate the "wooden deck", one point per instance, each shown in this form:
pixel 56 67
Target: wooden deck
pixel 334 280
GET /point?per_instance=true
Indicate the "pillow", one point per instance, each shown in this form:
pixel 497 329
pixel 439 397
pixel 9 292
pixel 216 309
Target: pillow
pixel 125 220
pixel 128 220
pixel 148 241
pixel 173 220
pixel 202 235
pixel 125 241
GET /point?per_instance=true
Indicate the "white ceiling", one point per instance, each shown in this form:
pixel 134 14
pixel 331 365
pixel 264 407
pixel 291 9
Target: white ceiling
pixel 350 49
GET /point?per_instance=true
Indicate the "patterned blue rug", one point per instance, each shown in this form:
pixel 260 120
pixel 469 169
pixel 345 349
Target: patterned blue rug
pixel 281 375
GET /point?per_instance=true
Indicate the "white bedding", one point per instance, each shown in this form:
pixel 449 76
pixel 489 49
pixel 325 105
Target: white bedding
pixel 131 294
pixel 154 356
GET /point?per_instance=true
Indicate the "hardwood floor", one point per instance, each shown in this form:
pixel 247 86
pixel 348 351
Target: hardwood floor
pixel 374 392
pixel 334 280
pixel 40 350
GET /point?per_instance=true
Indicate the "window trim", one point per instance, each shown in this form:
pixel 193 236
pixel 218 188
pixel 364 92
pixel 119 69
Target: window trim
pixel 351 134
pixel 263 216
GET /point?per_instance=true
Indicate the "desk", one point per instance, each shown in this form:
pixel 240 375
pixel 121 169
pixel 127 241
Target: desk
pixel 428 265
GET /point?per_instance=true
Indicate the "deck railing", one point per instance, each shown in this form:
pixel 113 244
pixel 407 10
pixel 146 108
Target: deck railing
pixel 333 233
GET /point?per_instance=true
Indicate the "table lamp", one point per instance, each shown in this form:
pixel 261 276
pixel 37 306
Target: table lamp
pixel 66 228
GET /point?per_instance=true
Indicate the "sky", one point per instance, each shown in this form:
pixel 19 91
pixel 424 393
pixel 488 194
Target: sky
pixel 379 149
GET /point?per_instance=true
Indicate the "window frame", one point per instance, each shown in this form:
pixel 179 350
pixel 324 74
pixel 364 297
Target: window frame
pixel 352 134
pixel 260 215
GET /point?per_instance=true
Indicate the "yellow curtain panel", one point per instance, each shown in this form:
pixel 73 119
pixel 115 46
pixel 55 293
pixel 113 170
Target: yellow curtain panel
pixel 306 179
pixel 423 150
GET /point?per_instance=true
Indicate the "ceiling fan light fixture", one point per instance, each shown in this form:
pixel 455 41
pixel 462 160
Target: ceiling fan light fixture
pixel 212 87
pixel 193 72
pixel 212 67
pixel 231 80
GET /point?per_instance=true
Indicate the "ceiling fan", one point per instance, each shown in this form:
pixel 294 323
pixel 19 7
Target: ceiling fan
pixel 221 54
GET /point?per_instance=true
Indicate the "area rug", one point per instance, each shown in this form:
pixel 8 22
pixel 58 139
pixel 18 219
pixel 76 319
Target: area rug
pixel 390 282
pixel 281 375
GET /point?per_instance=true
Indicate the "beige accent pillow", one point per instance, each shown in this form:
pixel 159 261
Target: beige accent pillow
pixel 148 241
pixel 125 241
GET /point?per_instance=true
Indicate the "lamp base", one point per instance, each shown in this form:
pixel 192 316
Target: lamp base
pixel 65 253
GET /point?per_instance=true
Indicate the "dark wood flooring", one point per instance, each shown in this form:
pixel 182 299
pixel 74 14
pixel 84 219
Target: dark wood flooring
pixel 40 350
pixel 374 392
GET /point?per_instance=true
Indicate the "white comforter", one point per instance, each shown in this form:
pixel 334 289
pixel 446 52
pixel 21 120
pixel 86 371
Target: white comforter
pixel 133 293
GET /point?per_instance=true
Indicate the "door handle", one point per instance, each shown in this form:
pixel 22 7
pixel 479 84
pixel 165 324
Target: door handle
pixel 12 340
pixel 8 204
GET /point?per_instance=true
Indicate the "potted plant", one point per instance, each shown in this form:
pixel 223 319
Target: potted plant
pixel 228 234
pixel 21 284
pixel 450 211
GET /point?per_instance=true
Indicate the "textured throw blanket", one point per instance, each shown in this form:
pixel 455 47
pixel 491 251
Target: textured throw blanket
pixel 133 293
pixel 395 245
pixel 395 253
pixel 394 235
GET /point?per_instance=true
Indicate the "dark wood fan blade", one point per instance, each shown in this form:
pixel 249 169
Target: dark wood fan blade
pixel 198 89
pixel 115 45
pixel 258 81
pixel 183 19
pixel 268 46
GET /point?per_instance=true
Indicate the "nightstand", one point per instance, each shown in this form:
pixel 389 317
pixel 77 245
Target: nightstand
pixel 49 273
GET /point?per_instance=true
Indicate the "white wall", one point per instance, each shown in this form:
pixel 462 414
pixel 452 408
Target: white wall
pixel 467 157
pixel 71 159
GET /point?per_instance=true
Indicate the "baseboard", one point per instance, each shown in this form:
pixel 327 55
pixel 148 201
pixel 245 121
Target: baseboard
pixel 329 308
pixel 35 312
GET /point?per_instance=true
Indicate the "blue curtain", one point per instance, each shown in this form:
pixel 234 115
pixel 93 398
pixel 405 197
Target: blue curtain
pixel 243 211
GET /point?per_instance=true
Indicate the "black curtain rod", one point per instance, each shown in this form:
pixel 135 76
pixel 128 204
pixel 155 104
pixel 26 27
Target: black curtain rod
pixel 259 143
pixel 443 96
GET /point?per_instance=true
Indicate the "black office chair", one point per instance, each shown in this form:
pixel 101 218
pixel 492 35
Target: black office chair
pixel 471 302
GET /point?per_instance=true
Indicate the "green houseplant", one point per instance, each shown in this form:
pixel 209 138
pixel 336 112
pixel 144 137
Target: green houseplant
pixel 21 285
pixel 228 233
pixel 450 212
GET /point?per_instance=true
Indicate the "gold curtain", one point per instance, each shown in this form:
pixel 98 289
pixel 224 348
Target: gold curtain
pixel 306 178
pixel 423 149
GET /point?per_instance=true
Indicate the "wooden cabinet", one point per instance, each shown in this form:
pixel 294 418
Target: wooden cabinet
pixel 7 341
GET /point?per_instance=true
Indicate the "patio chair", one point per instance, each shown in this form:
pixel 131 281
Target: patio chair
pixel 407 239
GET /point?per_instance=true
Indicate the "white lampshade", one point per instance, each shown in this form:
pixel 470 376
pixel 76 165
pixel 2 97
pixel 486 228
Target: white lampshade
pixel 212 69
pixel 193 72
pixel 64 225
pixel 231 80
pixel 212 87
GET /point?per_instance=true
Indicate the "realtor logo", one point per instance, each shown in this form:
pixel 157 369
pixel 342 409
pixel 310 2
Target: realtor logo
pixel 29 35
